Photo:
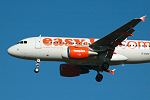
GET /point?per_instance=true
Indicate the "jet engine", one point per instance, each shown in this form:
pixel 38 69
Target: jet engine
pixel 69 70
pixel 77 52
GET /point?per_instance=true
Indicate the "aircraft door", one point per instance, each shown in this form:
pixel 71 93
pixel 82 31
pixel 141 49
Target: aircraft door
pixel 38 42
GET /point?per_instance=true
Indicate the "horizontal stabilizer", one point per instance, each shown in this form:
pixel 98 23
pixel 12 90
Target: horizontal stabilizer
pixel 110 71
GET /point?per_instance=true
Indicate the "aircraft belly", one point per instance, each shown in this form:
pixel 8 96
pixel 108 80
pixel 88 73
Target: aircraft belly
pixel 48 54
pixel 91 62
pixel 118 57
pixel 51 53
pixel 135 55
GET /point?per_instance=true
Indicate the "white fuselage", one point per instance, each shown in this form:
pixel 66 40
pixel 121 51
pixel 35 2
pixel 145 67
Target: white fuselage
pixel 51 49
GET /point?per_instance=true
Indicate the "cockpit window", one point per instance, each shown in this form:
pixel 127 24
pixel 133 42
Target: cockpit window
pixel 25 42
pixel 22 42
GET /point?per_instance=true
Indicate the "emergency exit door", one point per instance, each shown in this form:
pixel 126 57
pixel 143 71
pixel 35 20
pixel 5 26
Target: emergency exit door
pixel 38 42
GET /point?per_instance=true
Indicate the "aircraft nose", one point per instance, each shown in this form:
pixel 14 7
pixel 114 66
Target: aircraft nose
pixel 10 51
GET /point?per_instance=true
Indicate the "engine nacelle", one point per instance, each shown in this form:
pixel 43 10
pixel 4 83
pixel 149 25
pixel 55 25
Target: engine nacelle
pixel 77 52
pixel 69 70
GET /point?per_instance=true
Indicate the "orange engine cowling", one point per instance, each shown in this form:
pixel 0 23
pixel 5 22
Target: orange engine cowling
pixel 78 52
pixel 69 70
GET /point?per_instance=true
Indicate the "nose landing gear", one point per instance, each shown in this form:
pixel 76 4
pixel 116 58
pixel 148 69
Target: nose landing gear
pixel 36 70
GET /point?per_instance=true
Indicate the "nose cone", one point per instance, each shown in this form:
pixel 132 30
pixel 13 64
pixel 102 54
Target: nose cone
pixel 16 51
pixel 10 51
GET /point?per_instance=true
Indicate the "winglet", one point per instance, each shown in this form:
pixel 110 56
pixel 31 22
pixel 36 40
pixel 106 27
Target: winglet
pixel 143 18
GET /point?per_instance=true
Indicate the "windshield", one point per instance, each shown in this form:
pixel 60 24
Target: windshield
pixel 22 42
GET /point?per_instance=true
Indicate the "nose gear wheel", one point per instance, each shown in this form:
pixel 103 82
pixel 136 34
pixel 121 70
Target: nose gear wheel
pixel 36 70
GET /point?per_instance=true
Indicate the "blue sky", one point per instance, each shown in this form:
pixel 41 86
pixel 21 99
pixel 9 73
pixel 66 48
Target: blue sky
pixel 21 19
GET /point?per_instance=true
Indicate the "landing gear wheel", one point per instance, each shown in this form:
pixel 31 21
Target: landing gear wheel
pixel 105 66
pixel 36 70
pixel 99 77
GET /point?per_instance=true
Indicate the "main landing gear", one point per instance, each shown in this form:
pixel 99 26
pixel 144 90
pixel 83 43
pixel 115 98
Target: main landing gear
pixel 36 70
pixel 99 76
pixel 105 66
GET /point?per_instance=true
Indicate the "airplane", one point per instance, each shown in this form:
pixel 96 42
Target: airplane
pixel 84 54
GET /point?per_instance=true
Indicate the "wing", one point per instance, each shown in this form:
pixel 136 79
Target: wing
pixel 108 43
